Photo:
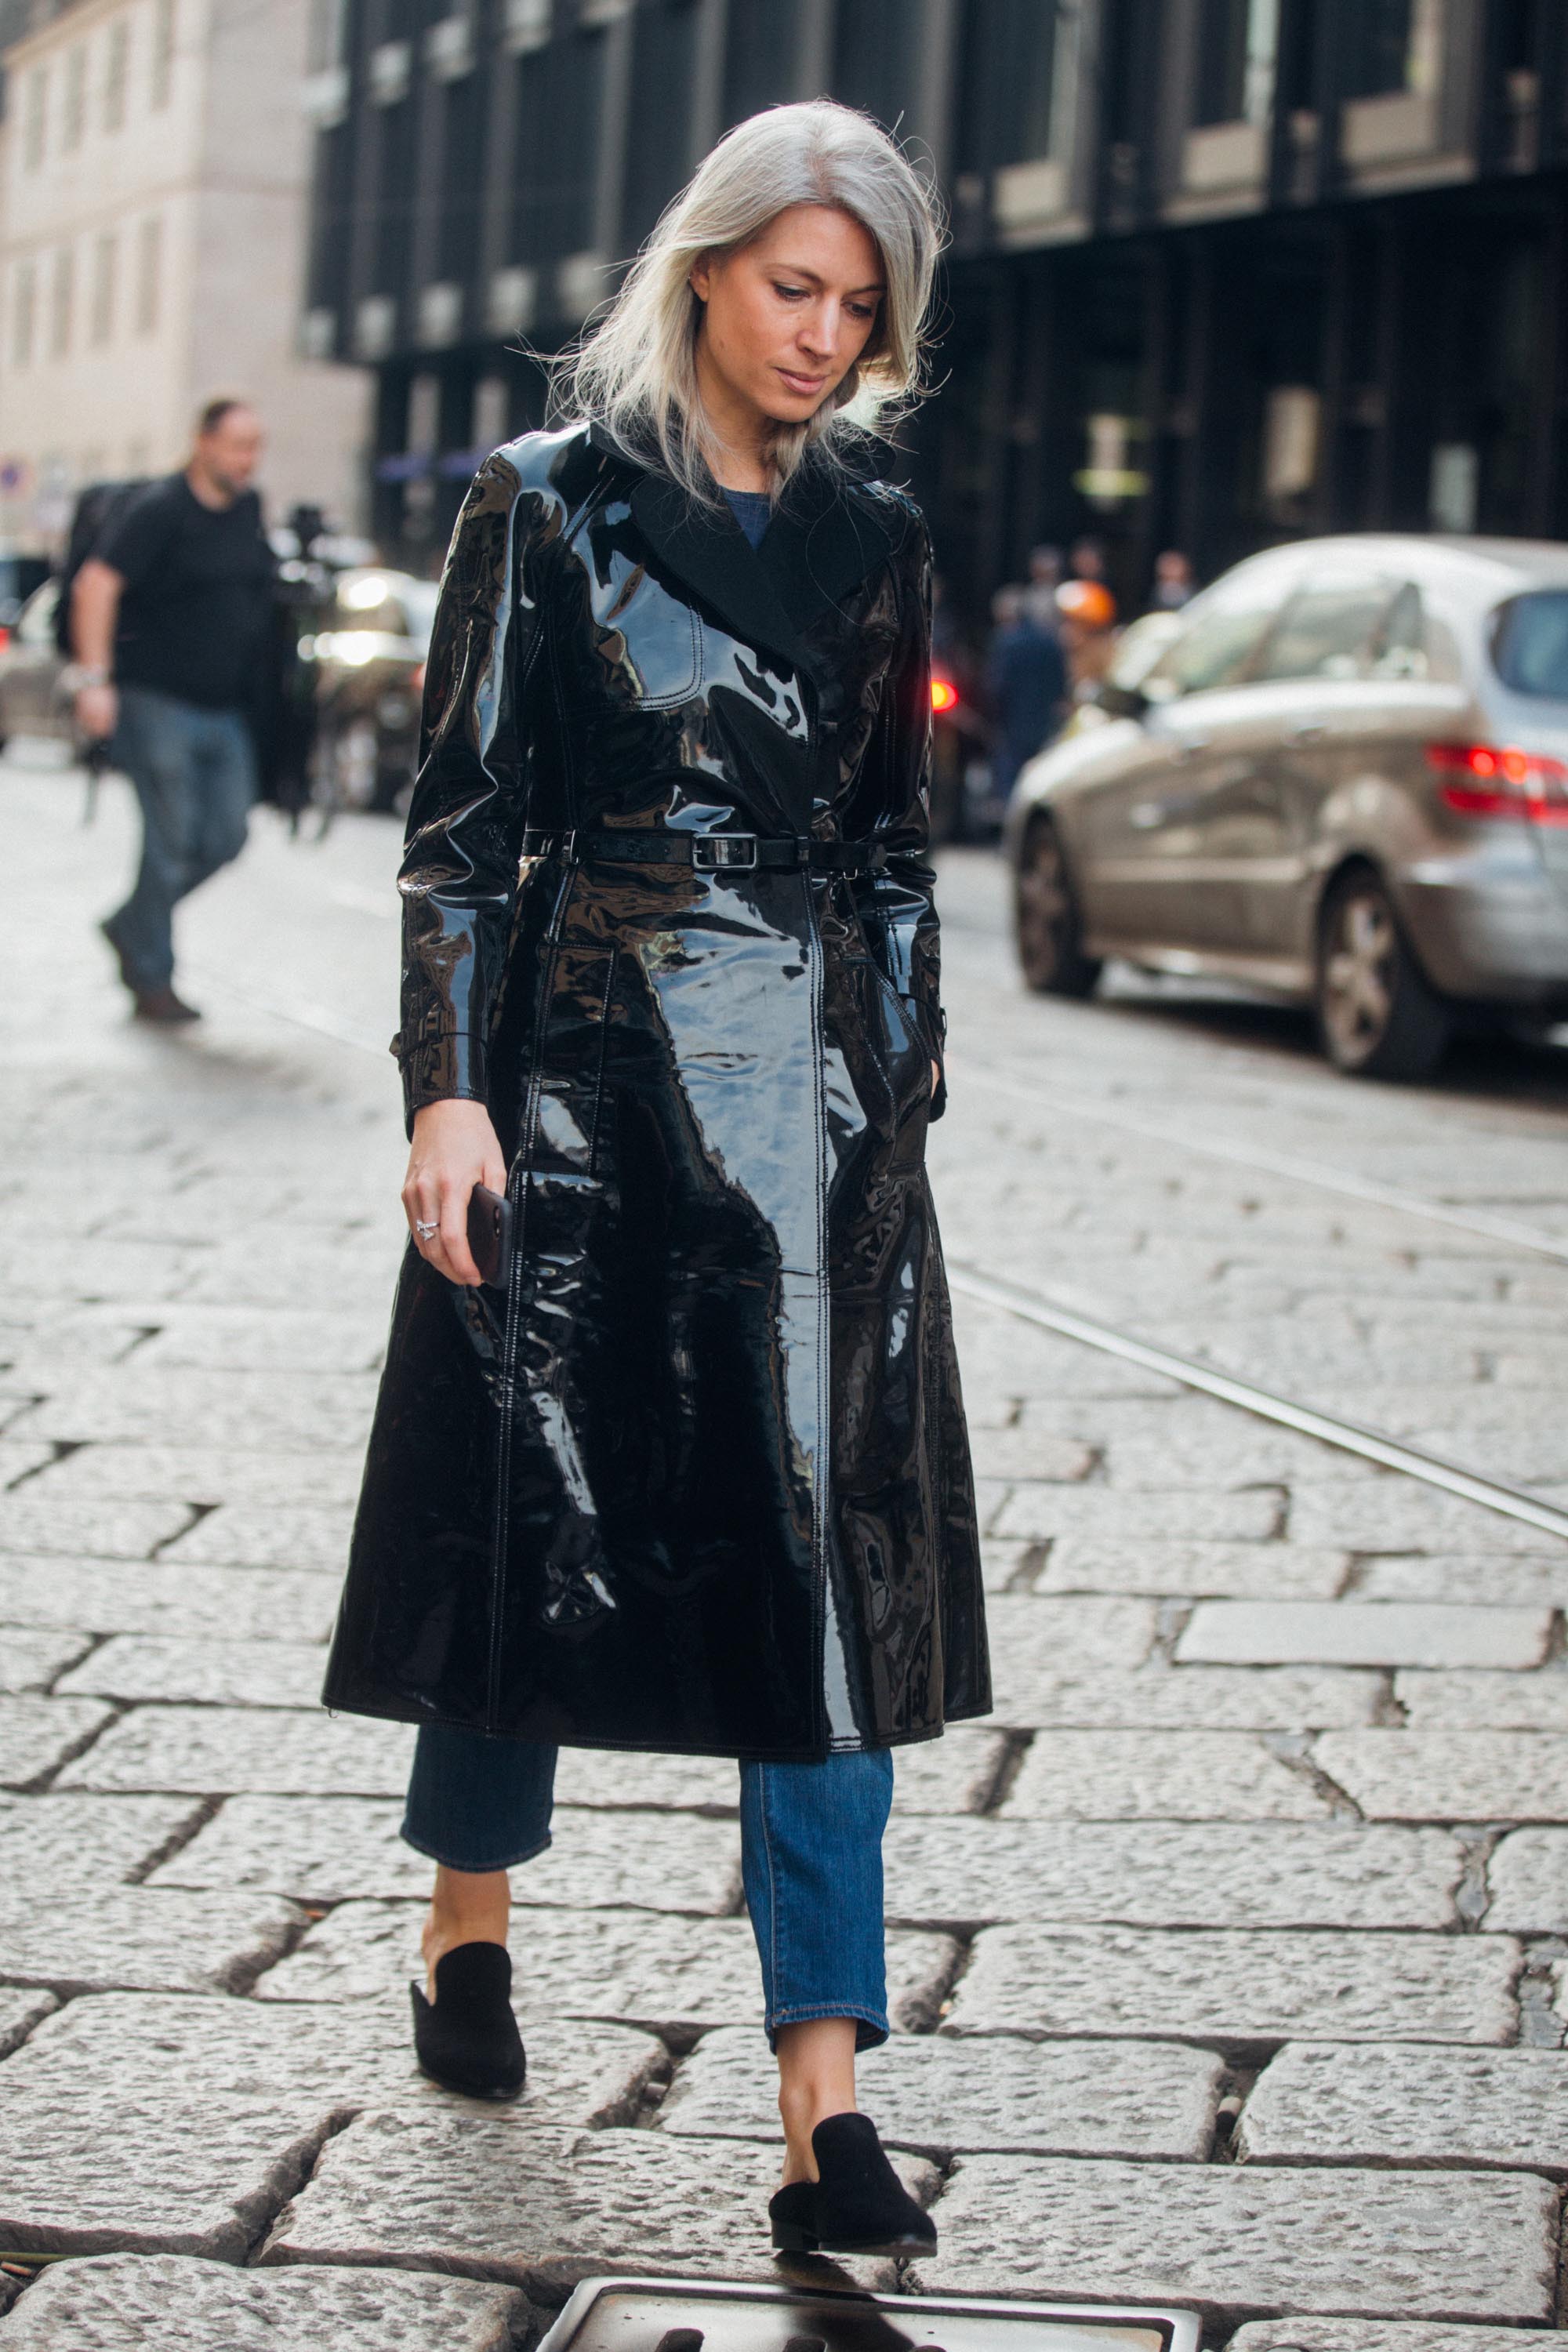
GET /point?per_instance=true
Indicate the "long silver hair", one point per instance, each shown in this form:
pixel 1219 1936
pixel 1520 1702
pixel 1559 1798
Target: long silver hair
pixel 635 371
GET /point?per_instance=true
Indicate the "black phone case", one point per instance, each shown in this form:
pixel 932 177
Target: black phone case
pixel 491 1221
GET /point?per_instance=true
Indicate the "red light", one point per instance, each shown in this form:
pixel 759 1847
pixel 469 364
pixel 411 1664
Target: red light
pixel 1493 781
pixel 4 637
pixel 943 694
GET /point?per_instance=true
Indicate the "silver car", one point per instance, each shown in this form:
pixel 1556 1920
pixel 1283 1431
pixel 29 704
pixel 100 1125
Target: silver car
pixel 33 700
pixel 1343 781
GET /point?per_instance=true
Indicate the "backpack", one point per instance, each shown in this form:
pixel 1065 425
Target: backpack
pixel 99 505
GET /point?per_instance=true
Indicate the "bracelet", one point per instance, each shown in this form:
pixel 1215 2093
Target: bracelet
pixel 83 674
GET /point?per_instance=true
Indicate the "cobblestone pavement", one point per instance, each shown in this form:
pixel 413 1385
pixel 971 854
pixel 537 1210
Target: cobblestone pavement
pixel 1229 1961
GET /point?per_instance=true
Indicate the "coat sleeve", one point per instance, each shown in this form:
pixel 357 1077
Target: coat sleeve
pixel 900 915
pixel 458 875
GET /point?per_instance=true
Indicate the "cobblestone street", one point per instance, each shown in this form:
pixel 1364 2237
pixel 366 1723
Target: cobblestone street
pixel 1231 1954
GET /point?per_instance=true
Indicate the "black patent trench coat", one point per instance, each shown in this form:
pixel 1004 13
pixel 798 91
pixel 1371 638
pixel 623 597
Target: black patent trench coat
pixel 700 1482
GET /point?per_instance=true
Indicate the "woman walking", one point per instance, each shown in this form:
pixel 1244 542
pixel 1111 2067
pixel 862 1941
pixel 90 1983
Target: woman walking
pixel 693 1478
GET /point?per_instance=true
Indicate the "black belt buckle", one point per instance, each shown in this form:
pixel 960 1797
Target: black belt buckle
pixel 713 851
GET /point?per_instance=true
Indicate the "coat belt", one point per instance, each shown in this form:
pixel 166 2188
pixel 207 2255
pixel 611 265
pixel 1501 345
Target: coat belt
pixel 707 853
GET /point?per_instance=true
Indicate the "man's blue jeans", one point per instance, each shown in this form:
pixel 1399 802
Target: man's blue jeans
pixel 194 773
pixel 811 1855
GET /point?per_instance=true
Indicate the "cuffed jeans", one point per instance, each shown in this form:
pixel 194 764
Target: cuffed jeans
pixel 195 774
pixel 811 1856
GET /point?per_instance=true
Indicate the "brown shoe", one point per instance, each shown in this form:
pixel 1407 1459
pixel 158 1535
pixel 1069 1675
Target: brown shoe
pixel 163 1005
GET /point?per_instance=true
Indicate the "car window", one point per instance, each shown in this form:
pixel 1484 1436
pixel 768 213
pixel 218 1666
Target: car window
pixel 1220 637
pixel 1139 647
pixel 1530 643
pixel 37 625
pixel 1330 627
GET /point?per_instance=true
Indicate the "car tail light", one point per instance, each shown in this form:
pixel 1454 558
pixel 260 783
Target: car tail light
pixel 1487 780
pixel 943 694
pixel 4 637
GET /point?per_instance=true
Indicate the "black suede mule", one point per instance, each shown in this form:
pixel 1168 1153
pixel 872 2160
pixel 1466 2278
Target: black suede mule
pixel 466 2039
pixel 858 2205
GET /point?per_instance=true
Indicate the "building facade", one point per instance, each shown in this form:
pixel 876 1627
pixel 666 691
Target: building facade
pixel 1222 270
pixel 154 169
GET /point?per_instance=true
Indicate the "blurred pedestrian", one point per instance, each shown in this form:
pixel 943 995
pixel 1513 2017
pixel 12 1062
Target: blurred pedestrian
pixel 690 1476
pixel 1174 584
pixel 1085 560
pixel 1088 632
pixel 1040 594
pixel 1026 680
pixel 170 618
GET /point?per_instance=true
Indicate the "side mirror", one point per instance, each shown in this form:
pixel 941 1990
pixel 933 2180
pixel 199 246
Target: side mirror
pixel 1122 702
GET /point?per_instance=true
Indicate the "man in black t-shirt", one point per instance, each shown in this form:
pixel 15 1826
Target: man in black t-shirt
pixel 169 617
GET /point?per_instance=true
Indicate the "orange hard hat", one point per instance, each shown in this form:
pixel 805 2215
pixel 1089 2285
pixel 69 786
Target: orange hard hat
pixel 1088 604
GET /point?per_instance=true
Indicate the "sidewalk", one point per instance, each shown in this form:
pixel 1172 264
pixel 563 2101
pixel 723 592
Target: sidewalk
pixel 1228 1954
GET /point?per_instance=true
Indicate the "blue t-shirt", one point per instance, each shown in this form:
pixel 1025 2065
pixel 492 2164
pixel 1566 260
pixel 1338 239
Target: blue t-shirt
pixel 753 511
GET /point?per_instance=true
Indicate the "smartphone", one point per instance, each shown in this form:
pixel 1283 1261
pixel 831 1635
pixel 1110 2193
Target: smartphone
pixel 491 1219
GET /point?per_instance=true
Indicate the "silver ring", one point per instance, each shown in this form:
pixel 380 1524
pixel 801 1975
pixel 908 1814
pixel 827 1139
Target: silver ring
pixel 424 1231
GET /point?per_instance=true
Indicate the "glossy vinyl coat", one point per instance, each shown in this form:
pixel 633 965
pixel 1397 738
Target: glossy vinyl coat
pixel 700 1481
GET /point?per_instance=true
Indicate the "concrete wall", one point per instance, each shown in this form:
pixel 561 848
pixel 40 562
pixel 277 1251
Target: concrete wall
pixel 221 166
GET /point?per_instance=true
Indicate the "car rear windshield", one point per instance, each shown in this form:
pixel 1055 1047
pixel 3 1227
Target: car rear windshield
pixel 1530 643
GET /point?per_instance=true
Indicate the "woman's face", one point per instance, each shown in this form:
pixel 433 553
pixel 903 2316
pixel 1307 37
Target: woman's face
pixel 787 316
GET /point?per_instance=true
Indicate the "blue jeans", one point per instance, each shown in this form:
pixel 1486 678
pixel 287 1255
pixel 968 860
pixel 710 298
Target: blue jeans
pixel 811 1856
pixel 195 774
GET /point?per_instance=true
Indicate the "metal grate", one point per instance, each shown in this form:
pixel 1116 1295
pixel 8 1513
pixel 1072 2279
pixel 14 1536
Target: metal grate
pixel 620 2315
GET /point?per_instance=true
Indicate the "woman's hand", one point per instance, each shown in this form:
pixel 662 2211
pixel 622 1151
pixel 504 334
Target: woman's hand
pixel 454 1148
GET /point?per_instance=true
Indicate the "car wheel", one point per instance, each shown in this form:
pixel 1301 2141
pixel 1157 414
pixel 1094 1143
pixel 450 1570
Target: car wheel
pixel 1378 1015
pixel 1046 918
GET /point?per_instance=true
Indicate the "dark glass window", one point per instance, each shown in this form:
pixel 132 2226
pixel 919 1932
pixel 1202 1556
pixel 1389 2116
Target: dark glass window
pixel 760 56
pixel 1521 34
pixel 1221 61
pixel 873 45
pixel 395 180
pixel 330 211
pixel 559 95
pixel 664 68
pixel 1529 646
pixel 1377 38
pixel 1008 56
pixel 463 169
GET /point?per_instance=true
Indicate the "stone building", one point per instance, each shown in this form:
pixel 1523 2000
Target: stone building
pixel 153 174
pixel 1222 270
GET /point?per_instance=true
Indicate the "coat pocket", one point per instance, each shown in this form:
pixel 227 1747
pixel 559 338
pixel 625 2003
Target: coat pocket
pixel 648 643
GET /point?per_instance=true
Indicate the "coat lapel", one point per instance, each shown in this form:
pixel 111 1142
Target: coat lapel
pixel 823 541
